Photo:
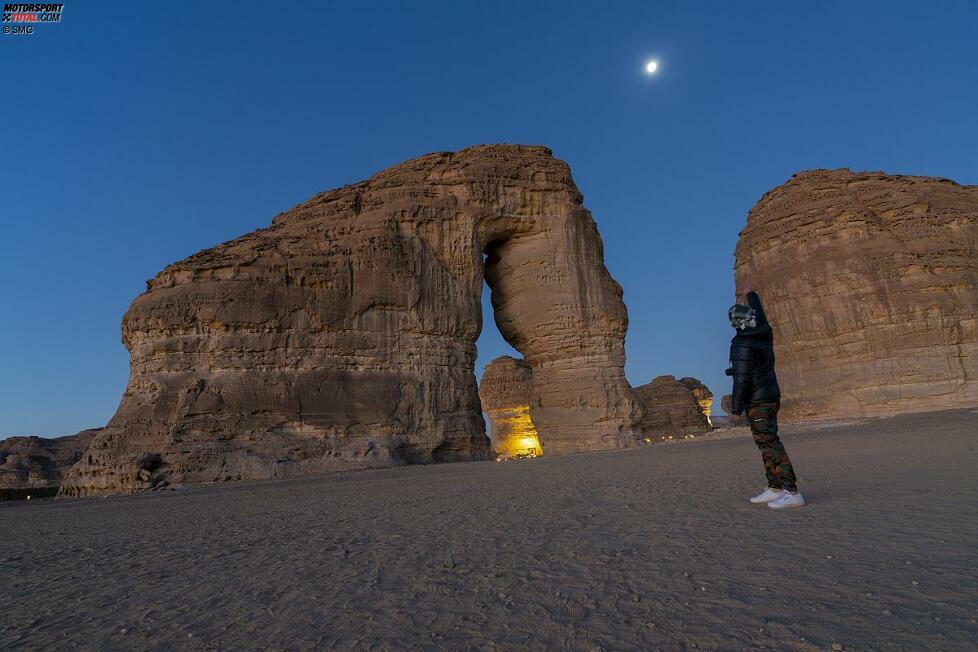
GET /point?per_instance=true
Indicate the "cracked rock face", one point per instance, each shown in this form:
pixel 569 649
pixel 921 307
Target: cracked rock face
pixel 674 407
pixel 343 336
pixel 39 462
pixel 871 283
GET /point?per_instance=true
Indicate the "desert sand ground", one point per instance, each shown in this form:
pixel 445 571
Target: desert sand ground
pixel 653 548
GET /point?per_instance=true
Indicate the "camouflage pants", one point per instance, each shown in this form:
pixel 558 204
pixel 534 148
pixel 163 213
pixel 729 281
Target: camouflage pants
pixel 763 419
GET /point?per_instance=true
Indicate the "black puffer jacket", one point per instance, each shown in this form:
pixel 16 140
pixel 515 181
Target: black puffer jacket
pixel 752 362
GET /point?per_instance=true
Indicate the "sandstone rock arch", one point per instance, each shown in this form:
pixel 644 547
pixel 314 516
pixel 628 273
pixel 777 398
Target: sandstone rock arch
pixel 343 335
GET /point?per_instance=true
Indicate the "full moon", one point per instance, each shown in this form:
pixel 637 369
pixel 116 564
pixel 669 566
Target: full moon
pixel 651 67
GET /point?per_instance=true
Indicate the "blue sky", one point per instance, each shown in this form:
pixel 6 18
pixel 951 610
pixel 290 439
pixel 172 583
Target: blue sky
pixel 138 133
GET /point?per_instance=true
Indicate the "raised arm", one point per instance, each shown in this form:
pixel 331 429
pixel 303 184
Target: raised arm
pixel 754 301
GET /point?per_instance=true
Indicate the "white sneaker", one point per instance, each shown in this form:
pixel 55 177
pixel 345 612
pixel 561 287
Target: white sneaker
pixel 766 496
pixel 787 499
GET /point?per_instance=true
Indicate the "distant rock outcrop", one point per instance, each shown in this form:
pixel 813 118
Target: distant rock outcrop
pixel 871 283
pixel 37 463
pixel 675 407
pixel 343 336
pixel 506 391
pixel 702 395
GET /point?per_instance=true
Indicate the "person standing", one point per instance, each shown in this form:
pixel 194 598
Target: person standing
pixel 756 392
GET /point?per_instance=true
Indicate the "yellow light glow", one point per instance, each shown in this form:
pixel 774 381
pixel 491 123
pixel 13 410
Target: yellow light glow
pixel 513 433
pixel 706 404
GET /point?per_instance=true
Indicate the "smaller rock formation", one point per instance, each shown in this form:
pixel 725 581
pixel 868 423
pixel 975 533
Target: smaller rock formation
pixel 505 391
pixel 35 465
pixel 675 407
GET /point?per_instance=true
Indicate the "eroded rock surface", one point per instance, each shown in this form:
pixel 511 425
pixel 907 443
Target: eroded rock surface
pixel 871 283
pixel 39 462
pixel 506 392
pixel 343 336
pixel 702 395
pixel 675 407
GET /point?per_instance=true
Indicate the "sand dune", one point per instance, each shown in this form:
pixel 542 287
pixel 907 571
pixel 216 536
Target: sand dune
pixel 654 548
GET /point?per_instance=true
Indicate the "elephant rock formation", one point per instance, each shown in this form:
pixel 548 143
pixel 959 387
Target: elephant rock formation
pixel 343 335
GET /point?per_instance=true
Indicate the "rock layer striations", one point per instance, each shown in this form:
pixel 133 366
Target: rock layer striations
pixel 343 336
pixel 871 283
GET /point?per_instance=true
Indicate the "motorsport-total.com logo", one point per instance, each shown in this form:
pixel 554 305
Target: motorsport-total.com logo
pixel 23 18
